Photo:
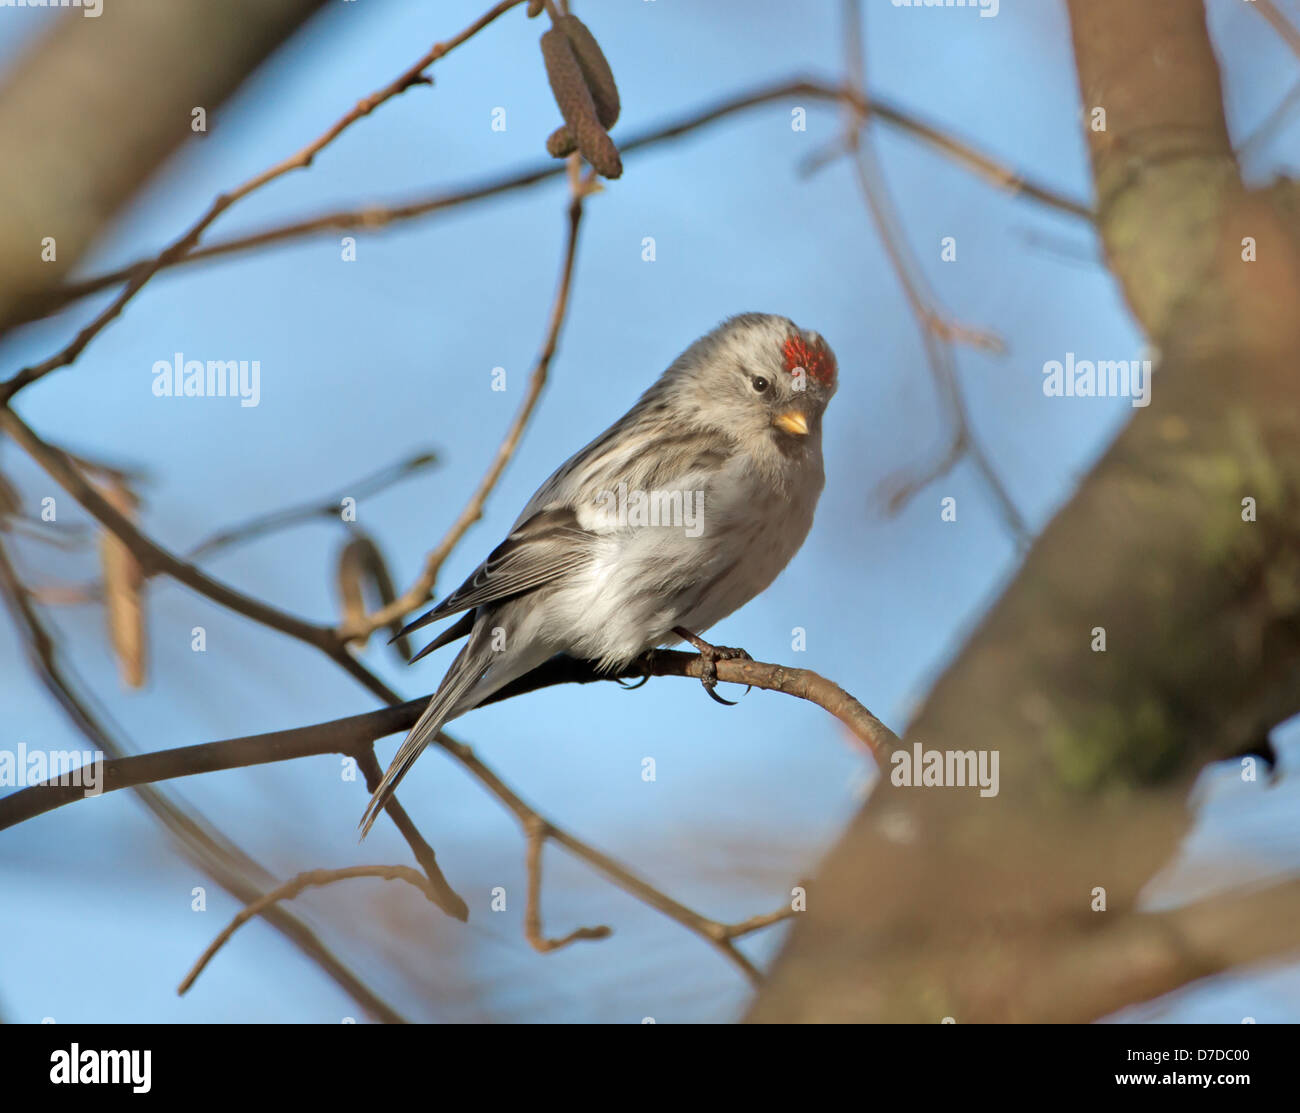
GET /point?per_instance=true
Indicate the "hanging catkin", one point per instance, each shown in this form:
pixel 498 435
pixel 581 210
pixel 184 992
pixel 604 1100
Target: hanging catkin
pixel 577 106
pixel 595 69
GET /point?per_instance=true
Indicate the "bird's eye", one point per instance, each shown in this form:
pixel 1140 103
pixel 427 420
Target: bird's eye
pixel 759 383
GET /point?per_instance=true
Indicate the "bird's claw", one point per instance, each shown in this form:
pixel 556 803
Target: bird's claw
pixel 644 661
pixel 708 687
pixel 710 655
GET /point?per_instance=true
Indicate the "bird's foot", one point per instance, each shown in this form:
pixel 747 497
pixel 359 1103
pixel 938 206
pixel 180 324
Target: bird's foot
pixel 710 655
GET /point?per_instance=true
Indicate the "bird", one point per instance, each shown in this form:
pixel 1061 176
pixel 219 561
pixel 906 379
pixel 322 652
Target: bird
pixel 670 520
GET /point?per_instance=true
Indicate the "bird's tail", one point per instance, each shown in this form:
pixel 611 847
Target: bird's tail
pixel 466 670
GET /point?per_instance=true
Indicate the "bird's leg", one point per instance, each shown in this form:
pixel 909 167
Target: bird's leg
pixel 710 655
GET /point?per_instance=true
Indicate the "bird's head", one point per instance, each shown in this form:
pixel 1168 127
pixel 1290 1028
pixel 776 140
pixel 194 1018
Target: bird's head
pixel 757 376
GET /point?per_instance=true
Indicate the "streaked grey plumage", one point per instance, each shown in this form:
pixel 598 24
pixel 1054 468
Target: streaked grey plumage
pixel 581 574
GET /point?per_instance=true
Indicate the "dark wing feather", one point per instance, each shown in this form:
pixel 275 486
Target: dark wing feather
pixel 462 627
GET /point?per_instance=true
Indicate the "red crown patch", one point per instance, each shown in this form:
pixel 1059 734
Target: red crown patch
pixel 816 360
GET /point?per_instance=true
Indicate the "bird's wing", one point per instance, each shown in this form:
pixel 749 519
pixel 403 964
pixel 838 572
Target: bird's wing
pixel 546 546
pixel 643 451
pixel 462 627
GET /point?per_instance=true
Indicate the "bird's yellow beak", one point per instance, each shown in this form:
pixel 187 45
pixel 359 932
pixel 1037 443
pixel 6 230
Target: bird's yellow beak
pixel 792 421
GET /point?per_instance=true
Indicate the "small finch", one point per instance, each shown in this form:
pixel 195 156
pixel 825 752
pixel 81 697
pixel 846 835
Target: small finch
pixel 678 514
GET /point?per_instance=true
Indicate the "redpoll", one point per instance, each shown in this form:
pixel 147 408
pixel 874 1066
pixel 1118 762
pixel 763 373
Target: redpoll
pixel 681 512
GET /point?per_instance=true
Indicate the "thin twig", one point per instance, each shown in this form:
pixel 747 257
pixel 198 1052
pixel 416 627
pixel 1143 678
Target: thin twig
pixel 1275 119
pixel 537 832
pixel 260 526
pixel 413 75
pixel 936 332
pixel 419 591
pixel 153 558
pixel 374 216
pixel 292 888
pixel 353 733
pixel 209 849
pixel 338 651
pixel 1283 26
pixel 318 508
pixel 1271 124
pixel 719 935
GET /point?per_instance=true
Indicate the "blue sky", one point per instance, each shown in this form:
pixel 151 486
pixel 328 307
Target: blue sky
pixel 365 362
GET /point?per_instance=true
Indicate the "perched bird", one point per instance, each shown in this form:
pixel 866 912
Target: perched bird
pixel 679 513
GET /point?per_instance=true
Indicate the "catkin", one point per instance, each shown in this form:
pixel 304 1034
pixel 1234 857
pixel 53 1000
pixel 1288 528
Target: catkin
pixel 576 104
pixel 560 143
pixel 124 592
pixel 595 69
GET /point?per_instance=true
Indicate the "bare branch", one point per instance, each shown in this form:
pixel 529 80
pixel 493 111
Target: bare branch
pixel 292 888
pixel 375 216
pixel 319 508
pixel 413 75
pixel 1275 119
pixel 116 96
pixel 1283 26
pixel 419 592
pixel 1140 956
pixel 353 734
pixel 153 558
pixel 937 332
pixel 201 844
pixel 538 831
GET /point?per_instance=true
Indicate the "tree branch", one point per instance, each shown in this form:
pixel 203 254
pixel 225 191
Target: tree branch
pixel 374 216
pixel 938 333
pixel 413 75
pixel 419 591
pixel 354 734
pixel 940 902
pixel 200 844
pixel 118 91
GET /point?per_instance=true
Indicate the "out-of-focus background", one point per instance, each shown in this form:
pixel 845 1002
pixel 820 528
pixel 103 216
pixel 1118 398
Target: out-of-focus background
pixel 366 362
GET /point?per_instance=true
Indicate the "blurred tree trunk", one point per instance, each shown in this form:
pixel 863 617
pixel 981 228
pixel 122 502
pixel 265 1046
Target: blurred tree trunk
pixel 97 104
pixel 941 903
